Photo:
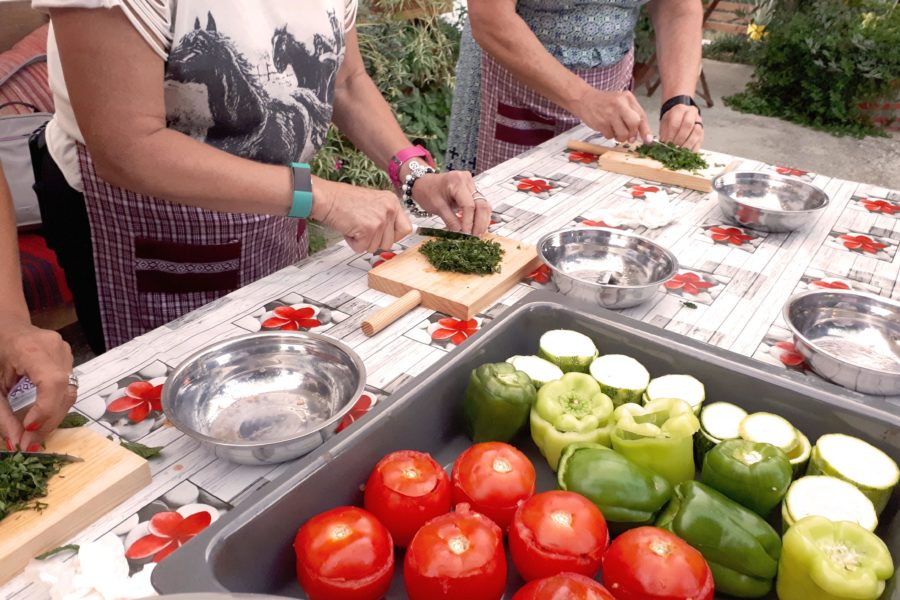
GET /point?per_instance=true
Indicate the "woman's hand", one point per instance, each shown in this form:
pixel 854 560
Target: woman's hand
pixel 617 115
pixel 368 219
pixel 46 359
pixel 682 126
pixel 450 194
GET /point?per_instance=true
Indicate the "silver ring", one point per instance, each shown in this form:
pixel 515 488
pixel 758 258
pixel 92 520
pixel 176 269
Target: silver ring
pixel 73 379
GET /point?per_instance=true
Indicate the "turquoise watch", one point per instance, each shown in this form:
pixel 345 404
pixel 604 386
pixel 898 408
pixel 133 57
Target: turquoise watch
pixel 301 207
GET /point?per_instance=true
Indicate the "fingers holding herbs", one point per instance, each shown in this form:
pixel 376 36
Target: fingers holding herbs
pixel 454 198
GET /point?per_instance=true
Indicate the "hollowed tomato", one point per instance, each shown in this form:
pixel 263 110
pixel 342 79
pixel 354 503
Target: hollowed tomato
pixel 344 554
pixel 493 478
pixel 454 557
pixel 555 532
pixel 649 563
pixel 405 490
pixel 565 586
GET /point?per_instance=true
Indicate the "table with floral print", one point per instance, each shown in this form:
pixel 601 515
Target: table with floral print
pixel 729 292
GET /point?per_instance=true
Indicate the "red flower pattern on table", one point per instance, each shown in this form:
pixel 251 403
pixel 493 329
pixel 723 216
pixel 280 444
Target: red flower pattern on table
pixel 534 186
pixel 862 243
pixel 140 399
pixel 582 157
pixel 383 257
pixel 638 191
pixel 788 354
pixel 881 206
pixel 689 283
pixel 288 318
pixel 593 223
pixel 168 532
pixel 831 285
pixel 790 171
pixel 539 275
pixel 361 407
pixel 456 330
pixel 729 235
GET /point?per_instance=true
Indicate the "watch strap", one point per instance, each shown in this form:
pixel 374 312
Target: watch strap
pixel 675 101
pixel 404 155
pixel 301 206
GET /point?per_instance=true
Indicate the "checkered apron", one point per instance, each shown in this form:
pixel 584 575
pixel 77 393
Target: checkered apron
pixel 156 260
pixel 514 118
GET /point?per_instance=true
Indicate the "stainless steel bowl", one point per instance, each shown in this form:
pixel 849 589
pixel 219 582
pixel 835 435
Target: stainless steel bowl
pixel 768 202
pixel 266 397
pixel 608 267
pixel 850 338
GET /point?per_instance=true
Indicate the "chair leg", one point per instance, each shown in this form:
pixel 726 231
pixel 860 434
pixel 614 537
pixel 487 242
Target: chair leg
pixel 705 94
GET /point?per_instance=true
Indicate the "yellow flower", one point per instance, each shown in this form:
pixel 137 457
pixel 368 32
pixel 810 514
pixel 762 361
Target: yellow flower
pixel 868 18
pixel 756 32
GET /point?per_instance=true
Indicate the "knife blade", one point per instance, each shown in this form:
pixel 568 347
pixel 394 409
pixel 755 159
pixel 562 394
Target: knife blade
pixel 46 455
pixel 444 233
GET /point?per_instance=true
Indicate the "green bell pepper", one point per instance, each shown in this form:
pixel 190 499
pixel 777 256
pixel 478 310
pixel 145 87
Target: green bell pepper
pixel 658 436
pixel 754 474
pixel 824 560
pixel 568 410
pixel 497 402
pixel 623 491
pixel 741 548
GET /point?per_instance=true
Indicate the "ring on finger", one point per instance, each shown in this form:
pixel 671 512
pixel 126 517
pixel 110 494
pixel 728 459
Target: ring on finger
pixel 73 379
pixel 700 123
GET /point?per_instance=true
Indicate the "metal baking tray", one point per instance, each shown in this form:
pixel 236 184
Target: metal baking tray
pixel 249 549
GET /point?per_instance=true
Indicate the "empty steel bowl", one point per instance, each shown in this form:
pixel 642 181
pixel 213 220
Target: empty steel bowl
pixel 608 267
pixel 266 397
pixel 768 202
pixel 850 338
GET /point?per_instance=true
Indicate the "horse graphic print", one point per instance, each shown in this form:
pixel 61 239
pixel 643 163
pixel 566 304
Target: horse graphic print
pixel 266 98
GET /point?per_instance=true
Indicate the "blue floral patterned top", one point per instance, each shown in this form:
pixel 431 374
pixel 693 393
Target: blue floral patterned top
pixel 583 34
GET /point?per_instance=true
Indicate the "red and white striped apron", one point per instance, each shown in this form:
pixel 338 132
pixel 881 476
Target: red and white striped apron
pixel 515 118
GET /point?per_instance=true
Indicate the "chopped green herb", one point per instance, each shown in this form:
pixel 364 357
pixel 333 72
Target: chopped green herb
pixel 23 479
pixel 59 550
pixel 141 450
pixel 72 420
pixel 687 304
pixel 469 255
pixel 673 157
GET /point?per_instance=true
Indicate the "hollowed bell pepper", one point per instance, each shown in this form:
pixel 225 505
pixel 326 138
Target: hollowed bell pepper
pixel 658 436
pixel 497 402
pixel 754 474
pixel 824 560
pixel 623 491
pixel 569 410
pixel 741 548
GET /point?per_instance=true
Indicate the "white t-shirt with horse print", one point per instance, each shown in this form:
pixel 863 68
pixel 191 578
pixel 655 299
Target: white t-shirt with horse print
pixel 255 79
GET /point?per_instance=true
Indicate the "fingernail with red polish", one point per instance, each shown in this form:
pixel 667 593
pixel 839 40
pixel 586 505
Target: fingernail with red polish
pixel 33 427
pixel 9 446
pixel 33 448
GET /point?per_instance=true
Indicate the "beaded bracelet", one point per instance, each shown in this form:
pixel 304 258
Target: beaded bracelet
pixel 417 171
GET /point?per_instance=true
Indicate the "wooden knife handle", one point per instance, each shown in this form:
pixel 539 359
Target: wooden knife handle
pixel 392 312
pixel 579 146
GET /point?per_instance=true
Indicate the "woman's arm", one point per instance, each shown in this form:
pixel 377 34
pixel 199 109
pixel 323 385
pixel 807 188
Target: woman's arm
pixel 679 38
pixel 503 34
pixel 363 115
pixel 26 350
pixel 115 83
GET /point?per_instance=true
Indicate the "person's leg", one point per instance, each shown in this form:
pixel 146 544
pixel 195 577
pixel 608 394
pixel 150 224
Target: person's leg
pixel 68 233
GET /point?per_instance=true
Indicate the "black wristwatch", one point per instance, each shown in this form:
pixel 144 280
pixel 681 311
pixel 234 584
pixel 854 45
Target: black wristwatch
pixel 675 101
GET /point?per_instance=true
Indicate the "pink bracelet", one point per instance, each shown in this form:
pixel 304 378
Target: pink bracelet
pixel 401 157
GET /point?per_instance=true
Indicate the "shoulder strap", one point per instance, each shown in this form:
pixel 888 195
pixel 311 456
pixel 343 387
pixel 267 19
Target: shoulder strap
pixel 31 61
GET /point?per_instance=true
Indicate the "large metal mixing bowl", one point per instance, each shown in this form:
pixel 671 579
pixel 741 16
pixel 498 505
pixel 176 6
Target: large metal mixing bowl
pixel 768 202
pixel 266 397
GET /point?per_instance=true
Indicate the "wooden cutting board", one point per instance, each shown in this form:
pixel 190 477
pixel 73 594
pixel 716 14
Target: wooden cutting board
pixel 624 162
pixel 77 496
pixel 411 277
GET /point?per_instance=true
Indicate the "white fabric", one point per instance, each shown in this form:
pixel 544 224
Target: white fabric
pixel 653 212
pixel 163 22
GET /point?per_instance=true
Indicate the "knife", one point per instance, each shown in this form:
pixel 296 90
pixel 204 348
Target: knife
pixel 45 455
pixel 444 233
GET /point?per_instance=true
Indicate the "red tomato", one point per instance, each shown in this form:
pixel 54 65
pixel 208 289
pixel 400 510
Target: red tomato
pixel 555 532
pixel 406 490
pixel 565 586
pixel 649 563
pixel 344 554
pixel 492 478
pixel 457 556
